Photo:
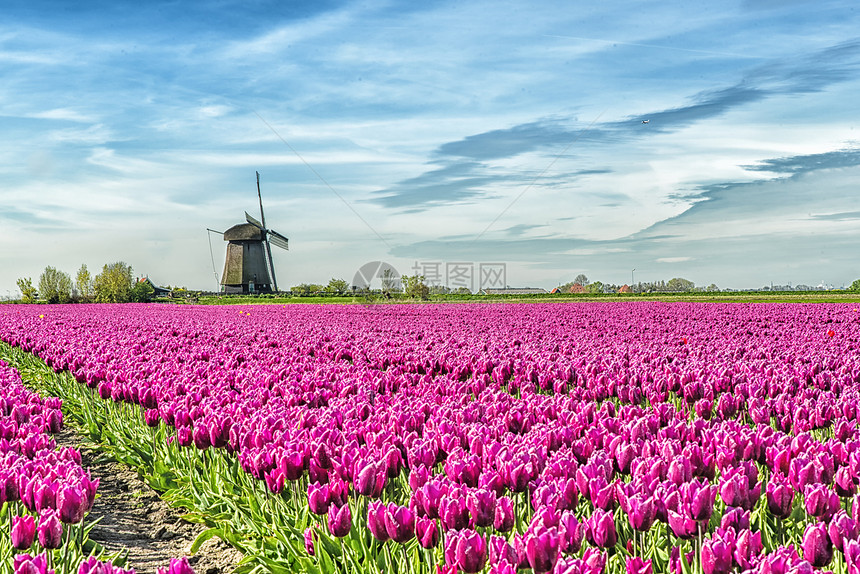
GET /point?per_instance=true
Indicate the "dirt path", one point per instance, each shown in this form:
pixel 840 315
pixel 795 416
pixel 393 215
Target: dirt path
pixel 133 517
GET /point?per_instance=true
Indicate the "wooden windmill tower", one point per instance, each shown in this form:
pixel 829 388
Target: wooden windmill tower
pixel 248 267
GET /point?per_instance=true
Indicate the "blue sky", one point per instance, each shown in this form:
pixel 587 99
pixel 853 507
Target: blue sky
pixel 446 132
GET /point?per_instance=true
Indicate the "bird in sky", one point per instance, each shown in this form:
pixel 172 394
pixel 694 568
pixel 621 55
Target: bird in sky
pixel 646 121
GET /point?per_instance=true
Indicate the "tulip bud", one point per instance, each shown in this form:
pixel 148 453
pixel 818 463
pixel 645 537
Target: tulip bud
pixel 309 540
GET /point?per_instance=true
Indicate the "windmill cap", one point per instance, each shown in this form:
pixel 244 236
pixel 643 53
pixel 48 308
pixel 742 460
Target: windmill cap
pixel 243 232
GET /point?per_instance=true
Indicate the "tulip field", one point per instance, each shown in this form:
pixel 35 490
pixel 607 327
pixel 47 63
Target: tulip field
pixel 635 437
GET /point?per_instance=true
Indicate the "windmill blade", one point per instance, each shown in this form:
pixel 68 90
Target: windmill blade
pixel 253 221
pixel 279 240
pixel 260 197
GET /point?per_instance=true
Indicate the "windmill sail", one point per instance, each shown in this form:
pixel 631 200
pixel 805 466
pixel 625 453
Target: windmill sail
pixel 279 240
pixel 250 219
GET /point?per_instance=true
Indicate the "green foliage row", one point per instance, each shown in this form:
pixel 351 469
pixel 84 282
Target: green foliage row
pixel 115 284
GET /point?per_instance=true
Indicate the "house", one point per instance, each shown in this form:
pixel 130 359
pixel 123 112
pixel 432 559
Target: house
pixel 577 288
pixel 625 289
pixel 156 290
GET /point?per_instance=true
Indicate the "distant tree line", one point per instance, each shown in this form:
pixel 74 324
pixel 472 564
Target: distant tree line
pixel 581 284
pixel 115 284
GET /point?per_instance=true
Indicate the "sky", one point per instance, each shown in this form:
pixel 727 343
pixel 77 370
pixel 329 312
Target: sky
pixel 625 140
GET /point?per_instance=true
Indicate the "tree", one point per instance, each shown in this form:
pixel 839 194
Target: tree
pixel 141 292
pixel 84 282
pixel 580 279
pixel 114 283
pixel 855 286
pixel 414 286
pixel 28 292
pixel 596 287
pixel 679 284
pixel 337 286
pixel 55 286
pixel 304 289
pixel 390 281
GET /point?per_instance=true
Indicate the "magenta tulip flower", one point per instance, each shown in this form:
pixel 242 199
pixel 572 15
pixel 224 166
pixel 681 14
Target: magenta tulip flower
pixel 571 532
pixel 376 520
pixel 177 566
pixel 27 564
pixel 635 565
pixel 682 526
pixel 841 529
pixel 454 513
pixel 482 506
pixel 845 482
pixel 370 480
pixel 427 532
pixel 399 523
pixel 736 519
pixel 699 496
pixel 71 503
pixel 466 550
pixel 504 516
pixel 780 496
pixel 318 498
pixel 748 547
pixel 339 520
pixel 542 547
pixel 50 530
pixel 641 511
pixel 817 547
pixel 820 501
pixel 602 529
pixel 717 554
pixel 23 532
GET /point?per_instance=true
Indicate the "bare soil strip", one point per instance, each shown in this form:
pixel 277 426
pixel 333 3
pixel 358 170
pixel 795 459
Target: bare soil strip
pixel 133 517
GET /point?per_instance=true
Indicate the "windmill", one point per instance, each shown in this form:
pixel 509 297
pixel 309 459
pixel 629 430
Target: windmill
pixel 248 267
